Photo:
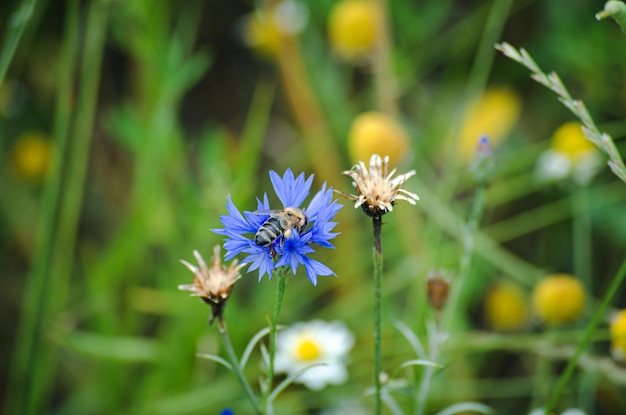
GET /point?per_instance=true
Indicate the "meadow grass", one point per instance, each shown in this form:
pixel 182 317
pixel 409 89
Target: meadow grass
pixel 156 114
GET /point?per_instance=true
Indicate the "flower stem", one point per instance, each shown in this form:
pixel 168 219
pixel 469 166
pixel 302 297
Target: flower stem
pixel 232 357
pixel 468 238
pixel 280 293
pixel 589 332
pixel 378 282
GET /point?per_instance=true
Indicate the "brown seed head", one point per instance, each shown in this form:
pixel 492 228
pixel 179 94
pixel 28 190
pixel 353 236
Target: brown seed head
pixel 213 284
pixel 438 288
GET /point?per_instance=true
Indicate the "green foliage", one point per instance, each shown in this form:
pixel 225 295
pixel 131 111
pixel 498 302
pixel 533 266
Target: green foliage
pixel 159 110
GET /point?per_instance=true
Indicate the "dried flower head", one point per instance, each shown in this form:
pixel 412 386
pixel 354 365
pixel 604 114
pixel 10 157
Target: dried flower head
pixel 213 284
pixel 376 191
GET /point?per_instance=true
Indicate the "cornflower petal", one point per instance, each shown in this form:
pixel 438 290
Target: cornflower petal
pixel 290 191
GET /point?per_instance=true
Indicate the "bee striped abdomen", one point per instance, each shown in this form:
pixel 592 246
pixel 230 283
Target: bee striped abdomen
pixel 268 232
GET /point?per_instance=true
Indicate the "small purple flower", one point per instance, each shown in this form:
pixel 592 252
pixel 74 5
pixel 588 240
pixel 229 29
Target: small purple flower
pixel 240 229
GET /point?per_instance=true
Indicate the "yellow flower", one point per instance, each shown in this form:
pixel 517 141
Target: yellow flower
pixel 506 308
pixel 570 154
pixel 32 155
pixel 353 28
pixel 263 29
pixel 570 140
pixel 214 284
pixel 494 114
pixel 618 336
pixel 261 34
pixel 376 191
pixel 559 299
pixel 375 132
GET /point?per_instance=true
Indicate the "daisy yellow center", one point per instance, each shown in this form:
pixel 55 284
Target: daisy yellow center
pixel 308 350
pixel 569 139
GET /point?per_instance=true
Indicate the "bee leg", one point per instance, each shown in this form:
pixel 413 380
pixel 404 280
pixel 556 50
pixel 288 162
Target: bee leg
pixel 273 252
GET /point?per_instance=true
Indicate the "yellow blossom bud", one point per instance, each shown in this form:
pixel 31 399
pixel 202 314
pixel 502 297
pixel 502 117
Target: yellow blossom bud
pixel 353 27
pixel 261 33
pixel 375 132
pixel 264 29
pixel 569 139
pixel 506 307
pixel 618 336
pixel 32 154
pixel 558 299
pixel 494 115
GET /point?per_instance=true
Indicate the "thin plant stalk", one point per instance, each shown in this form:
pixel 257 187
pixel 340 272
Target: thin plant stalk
pixel 378 282
pixel 15 28
pixel 236 366
pixel 280 294
pixel 58 235
pixel 468 239
pixel 433 354
pixel 586 339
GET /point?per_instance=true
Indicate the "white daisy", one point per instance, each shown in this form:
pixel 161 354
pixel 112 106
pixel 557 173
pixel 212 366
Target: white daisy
pixel 570 155
pixel 314 343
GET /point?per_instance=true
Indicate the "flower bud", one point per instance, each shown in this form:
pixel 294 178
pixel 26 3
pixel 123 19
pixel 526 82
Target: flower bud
pixel 375 132
pixel 558 299
pixel 438 288
pixel 618 336
pixel 506 307
pixel 353 28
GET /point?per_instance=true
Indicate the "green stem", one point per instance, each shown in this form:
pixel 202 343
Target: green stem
pixel 428 370
pixel 378 282
pixel 587 336
pixel 582 236
pixel 17 23
pixel 280 293
pixel 468 239
pixel 232 357
pixel 62 203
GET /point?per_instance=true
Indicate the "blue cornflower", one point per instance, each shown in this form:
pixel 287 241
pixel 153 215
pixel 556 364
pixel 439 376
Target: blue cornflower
pixel 291 250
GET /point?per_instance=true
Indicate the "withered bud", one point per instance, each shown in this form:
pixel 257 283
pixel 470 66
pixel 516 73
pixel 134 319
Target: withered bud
pixel 438 287
pixel 377 190
pixel 213 284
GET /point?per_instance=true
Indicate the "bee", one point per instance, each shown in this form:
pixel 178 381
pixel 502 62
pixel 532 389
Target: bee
pixel 280 223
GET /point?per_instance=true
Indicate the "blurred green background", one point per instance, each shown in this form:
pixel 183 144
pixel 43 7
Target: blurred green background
pixel 125 124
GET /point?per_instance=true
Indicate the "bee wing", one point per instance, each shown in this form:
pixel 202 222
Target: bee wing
pixel 271 212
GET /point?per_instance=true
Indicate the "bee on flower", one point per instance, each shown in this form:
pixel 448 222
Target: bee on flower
pixel 377 190
pixel 213 285
pixel 320 343
pixel 570 155
pixel 273 238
